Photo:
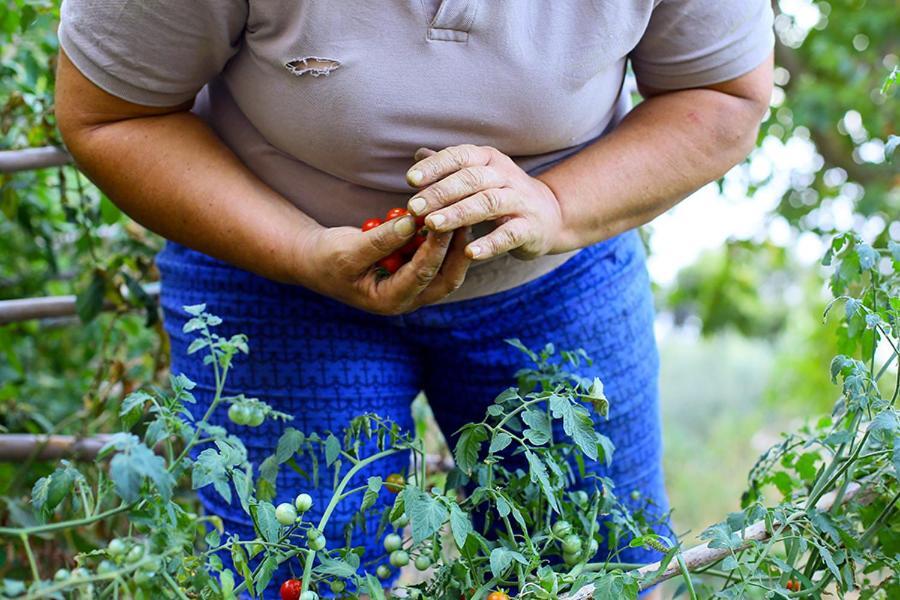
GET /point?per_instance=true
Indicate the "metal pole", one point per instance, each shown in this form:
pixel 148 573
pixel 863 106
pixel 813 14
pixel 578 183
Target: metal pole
pixel 12 161
pixel 24 309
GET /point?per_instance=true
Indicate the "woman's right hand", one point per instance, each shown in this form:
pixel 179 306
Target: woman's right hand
pixel 339 262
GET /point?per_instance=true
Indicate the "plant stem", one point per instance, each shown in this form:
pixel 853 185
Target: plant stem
pixel 64 524
pixel 30 554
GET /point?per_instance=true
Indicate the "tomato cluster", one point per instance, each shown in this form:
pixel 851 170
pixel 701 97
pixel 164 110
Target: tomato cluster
pixel 793 585
pixel 395 260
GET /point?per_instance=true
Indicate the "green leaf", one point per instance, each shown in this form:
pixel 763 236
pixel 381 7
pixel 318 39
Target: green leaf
pixel 336 567
pixel 597 397
pixel 371 495
pixel 538 431
pixel 538 472
pixel 868 256
pixel 288 444
pixel 195 310
pixel 332 449
pixel 426 514
pixel 577 424
pixel 502 558
pixel 460 525
pixel 500 441
pixel 210 468
pixel 376 592
pixel 133 463
pixel 269 527
pixel 469 446
pixel 89 301
pixel 266 570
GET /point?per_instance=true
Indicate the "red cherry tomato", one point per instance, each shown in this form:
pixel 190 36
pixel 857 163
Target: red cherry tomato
pixel 412 245
pixel 793 585
pixel 396 212
pixel 371 224
pixel 420 221
pixel 392 263
pixel 291 588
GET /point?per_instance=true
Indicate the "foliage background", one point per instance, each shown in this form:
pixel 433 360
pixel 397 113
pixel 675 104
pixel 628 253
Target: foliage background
pixel 744 352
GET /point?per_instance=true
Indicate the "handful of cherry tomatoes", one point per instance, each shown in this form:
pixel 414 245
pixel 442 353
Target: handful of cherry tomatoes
pixel 397 259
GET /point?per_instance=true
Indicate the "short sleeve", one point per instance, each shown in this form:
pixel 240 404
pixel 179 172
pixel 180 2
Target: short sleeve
pixel 151 52
pixel 692 43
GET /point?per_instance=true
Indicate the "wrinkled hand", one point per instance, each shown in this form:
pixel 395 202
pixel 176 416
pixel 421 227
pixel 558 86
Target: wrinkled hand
pixel 465 185
pixel 339 262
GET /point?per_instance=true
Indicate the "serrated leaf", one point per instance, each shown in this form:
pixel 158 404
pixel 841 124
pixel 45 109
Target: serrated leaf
pixel 376 592
pixel 133 463
pixel 538 473
pixel 269 527
pixel 868 256
pixel 288 444
pixel 502 558
pixel 469 446
pixel 577 424
pixel 460 525
pixel 266 570
pixel 371 495
pixel 426 514
pixel 500 441
pixel 335 567
pixel 538 432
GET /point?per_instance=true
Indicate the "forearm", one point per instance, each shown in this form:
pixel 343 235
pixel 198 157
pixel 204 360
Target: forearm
pixel 666 148
pixel 172 174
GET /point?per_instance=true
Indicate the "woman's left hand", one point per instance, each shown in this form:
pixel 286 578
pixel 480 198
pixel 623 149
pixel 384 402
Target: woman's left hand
pixel 466 185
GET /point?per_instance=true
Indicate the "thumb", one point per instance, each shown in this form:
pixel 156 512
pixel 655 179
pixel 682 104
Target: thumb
pixel 386 238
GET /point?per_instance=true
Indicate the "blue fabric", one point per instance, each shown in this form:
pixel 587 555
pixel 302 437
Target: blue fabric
pixel 324 362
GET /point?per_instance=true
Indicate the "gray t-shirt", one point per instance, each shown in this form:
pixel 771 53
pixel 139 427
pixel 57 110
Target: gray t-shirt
pixel 326 100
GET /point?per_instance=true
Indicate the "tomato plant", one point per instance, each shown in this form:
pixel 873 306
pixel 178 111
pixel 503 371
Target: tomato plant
pixel 834 527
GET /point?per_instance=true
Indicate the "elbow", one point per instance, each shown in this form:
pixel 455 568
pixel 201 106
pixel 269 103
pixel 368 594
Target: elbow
pixel 738 129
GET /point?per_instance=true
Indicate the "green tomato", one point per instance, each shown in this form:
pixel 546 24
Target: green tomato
pixel 285 513
pixel 105 566
pixel 61 575
pixel 571 558
pixel 315 540
pixel 581 497
pixel 383 571
pixel 399 558
pixel 423 562
pixel 337 586
pixel 239 414
pixel 256 417
pixel 115 548
pixel 562 529
pixel 80 573
pixel 135 554
pixel 392 542
pixel 309 595
pixel 401 522
pixel 303 503
pixel 571 544
pixel 143 578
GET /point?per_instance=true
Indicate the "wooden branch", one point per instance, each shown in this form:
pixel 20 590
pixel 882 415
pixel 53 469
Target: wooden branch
pixel 25 309
pixel 29 159
pixel 704 556
pixel 15 447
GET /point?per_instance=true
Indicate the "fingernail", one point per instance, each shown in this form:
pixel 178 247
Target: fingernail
pixel 417 205
pixel 474 251
pixel 405 226
pixel 415 176
pixel 436 220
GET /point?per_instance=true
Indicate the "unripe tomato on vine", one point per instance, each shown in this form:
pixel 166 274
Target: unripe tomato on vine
pixel 395 482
